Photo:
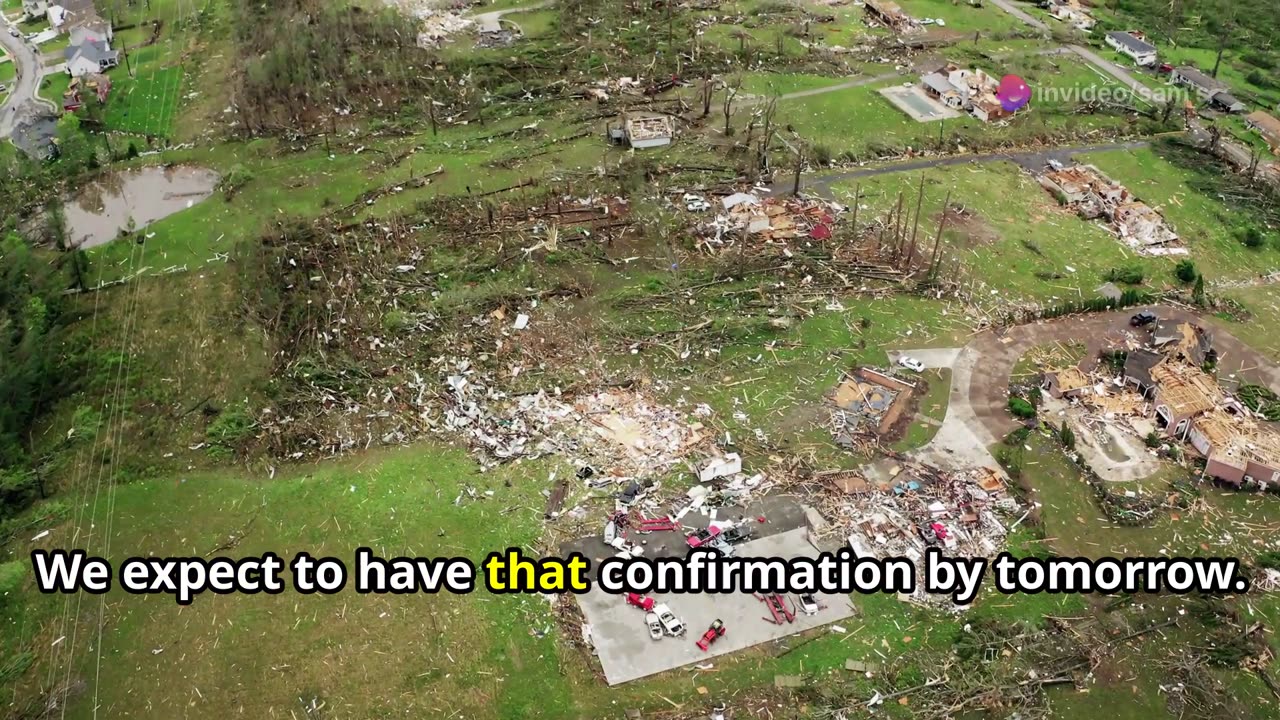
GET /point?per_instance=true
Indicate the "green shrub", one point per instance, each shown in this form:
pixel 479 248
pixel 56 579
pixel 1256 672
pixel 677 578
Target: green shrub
pixel 1021 408
pixel 395 321
pixel 235 180
pixel 230 429
pixel 1067 437
pixel 822 154
pixel 1253 238
pixel 1269 559
pixel 1185 271
pixel 1011 460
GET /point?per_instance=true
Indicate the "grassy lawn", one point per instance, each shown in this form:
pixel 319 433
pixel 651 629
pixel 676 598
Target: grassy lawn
pixel 769 84
pixel 53 85
pixel 146 104
pixel 931 409
pixel 535 23
pixel 8 70
pixel 962 17
pixel 1263 305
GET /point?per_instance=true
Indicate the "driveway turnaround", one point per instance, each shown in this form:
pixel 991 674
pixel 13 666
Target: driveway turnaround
pixel 977 415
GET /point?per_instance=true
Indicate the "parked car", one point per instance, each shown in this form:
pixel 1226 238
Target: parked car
pixel 13 31
pixel 911 363
pixel 655 625
pixel 670 623
pixel 1146 317
pixel 3 88
pixel 1165 69
pixel 1056 164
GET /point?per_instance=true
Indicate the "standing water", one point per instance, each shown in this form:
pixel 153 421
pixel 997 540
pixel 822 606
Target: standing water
pixel 102 209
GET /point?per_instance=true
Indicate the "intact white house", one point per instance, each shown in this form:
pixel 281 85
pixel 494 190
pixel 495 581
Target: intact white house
pixel 91 55
pixel 1135 45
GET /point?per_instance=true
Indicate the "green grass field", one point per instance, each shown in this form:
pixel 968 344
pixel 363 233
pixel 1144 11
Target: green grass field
pixel 146 104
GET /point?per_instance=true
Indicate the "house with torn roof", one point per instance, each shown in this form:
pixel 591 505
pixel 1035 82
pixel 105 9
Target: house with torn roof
pixel 1137 370
pixel 962 89
pixel 1134 44
pixel 1184 341
pixel 1182 394
pixel 647 130
pixel 1267 125
pixel 888 14
pixel 1208 88
pixel 1236 448
pixel 1068 382
pixel 1071 11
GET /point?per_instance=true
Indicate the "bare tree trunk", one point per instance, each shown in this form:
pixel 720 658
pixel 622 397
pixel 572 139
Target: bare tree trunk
pixel 915 230
pixel 937 240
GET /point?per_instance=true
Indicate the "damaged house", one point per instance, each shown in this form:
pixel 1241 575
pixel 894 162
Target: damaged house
pixel 889 14
pixel 643 130
pixel 1071 11
pixel 970 90
pixel 1237 449
pixel 1094 195
pixel 1209 89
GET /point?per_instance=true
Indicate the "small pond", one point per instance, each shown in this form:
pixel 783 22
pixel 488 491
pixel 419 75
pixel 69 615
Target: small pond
pixel 100 210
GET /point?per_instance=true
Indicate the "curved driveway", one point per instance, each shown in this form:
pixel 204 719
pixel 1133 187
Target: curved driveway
pixel 976 414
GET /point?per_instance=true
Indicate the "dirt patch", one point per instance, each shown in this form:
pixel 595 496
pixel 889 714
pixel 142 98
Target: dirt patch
pixel 968 224
pixel 909 404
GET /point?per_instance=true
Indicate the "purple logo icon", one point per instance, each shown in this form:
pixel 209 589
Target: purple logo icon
pixel 1013 93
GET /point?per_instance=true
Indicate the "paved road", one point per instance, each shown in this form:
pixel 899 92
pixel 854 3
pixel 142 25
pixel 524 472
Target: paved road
pixel 22 101
pixel 1017 12
pixel 1125 77
pixel 1034 160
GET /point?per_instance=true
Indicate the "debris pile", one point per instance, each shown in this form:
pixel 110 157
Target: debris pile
pixel 1094 195
pixel 923 506
pixel 866 404
pixel 621 435
pixel 771 219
